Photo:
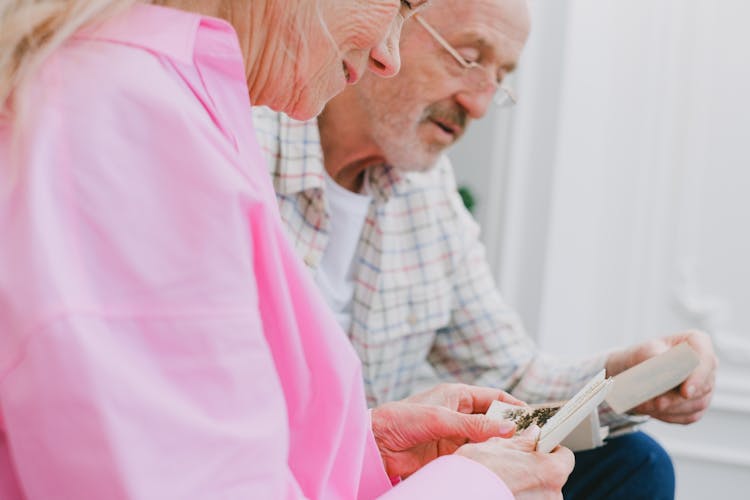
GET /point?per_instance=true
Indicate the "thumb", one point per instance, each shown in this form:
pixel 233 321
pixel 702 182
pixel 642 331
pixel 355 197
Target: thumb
pixel 694 385
pixel 528 438
pixel 702 377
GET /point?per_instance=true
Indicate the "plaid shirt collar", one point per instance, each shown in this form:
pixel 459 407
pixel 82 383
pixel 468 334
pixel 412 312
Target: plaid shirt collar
pixel 300 163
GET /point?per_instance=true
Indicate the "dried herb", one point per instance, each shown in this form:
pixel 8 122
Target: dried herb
pixel 524 417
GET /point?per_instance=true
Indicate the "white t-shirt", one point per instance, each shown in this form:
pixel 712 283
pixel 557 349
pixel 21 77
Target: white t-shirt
pixel 335 274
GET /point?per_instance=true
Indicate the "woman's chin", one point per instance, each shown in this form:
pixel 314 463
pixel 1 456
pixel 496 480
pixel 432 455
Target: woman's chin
pixel 300 110
pixel 310 106
pixel 303 113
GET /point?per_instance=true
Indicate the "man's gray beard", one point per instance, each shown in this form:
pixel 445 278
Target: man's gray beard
pixel 404 156
pixel 417 157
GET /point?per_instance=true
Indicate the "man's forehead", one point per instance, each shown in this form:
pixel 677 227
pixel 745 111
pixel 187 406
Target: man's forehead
pixel 499 26
pixel 478 17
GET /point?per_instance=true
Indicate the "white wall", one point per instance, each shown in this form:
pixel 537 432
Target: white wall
pixel 614 198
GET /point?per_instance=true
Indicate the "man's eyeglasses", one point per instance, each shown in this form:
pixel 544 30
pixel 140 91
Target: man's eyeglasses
pixel 476 74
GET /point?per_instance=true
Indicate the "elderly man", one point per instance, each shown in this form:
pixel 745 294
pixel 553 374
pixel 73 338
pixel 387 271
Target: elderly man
pixel 370 204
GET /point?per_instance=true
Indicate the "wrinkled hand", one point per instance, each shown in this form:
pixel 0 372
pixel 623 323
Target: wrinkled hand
pixel 463 398
pixel 527 473
pixel 689 401
pixel 412 432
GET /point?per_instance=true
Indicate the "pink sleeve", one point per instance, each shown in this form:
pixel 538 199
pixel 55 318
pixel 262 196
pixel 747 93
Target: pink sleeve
pixel 451 476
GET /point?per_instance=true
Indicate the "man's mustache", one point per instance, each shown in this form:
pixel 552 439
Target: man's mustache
pixel 454 115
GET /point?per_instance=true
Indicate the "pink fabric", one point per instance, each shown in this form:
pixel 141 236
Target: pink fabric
pixel 158 338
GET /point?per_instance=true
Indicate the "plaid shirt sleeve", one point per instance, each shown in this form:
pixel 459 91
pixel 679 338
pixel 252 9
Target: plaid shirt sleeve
pixel 485 342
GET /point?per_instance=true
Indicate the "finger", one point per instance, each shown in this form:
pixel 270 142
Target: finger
pixel 681 419
pixel 463 398
pixel 701 390
pixel 705 373
pixel 510 399
pixel 673 402
pixel 565 459
pixel 480 398
pixel 434 396
pixel 475 428
pixel 481 428
pixel 528 438
pixel 564 454
pixel 690 407
pixel 671 399
pixel 668 404
pixel 621 360
pixel 652 348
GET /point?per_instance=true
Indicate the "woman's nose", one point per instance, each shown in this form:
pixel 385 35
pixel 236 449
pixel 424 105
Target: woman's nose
pixel 385 58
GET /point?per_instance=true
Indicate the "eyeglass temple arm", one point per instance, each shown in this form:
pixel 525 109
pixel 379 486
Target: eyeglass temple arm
pixel 508 91
pixel 442 41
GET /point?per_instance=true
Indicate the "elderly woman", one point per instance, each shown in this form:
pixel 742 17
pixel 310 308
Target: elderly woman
pixel 158 339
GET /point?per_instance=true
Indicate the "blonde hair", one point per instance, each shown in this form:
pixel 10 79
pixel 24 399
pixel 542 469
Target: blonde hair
pixel 31 29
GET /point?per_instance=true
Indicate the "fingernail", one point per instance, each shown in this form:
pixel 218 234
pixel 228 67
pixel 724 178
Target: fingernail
pixel 690 391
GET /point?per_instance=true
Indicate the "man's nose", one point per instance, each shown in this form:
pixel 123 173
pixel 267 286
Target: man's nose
pixel 476 102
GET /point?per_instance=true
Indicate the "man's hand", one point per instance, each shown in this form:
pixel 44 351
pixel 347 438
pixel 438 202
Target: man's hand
pixel 688 402
pixel 528 473
pixel 412 432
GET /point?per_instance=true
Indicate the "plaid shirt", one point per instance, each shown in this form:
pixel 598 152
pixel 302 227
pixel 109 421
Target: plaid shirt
pixel 426 309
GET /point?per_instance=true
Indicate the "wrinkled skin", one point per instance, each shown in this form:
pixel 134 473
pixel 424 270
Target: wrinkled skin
pixel 450 419
pixel 418 429
pixel 430 92
pixel 299 54
pixel 527 473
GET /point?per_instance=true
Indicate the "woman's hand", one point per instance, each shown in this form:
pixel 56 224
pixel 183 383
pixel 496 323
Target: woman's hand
pixel 409 435
pixel 463 398
pixel 527 473
pixel 422 427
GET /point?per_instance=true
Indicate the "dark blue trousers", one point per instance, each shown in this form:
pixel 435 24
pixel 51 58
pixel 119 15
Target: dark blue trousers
pixel 632 466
